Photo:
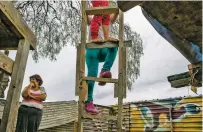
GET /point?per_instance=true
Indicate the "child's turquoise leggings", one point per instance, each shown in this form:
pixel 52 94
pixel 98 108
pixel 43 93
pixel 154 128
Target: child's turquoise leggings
pixel 93 58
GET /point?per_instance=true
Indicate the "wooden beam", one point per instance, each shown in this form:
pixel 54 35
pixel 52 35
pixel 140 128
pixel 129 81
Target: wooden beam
pixel 183 83
pixel 120 69
pixel 18 25
pixel 107 45
pixel 193 66
pixel 84 90
pixel 184 79
pixel 107 80
pixel 171 118
pixel 6 63
pixel 102 10
pixel 125 5
pixel 99 116
pixel 7 48
pixel 180 83
pixel 115 90
pixel 124 72
pixel 9 43
pixel 13 95
pixel 77 77
pixel 82 63
pixel 76 126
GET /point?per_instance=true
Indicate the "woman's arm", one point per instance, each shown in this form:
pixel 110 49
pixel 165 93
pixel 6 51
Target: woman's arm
pixel 25 93
pixel 41 97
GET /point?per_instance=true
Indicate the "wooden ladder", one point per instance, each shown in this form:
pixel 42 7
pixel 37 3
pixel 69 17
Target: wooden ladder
pixel 119 84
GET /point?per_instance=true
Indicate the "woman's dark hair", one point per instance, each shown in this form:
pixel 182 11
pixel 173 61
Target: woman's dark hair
pixel 38 78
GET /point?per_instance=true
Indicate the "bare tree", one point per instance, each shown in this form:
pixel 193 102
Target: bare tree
pixel 58 23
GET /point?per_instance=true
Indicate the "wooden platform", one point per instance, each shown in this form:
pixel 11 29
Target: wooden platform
pixel 102 10
pixel 125 5
pixel 183 79
pixel 127 43
pixel 13 28
pixel 107 80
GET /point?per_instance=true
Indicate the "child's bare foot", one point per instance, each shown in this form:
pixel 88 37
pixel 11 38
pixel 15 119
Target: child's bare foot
pixel 111 39
pixel 97 40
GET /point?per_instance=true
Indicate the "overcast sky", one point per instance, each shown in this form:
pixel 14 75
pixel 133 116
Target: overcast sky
pixel 160 60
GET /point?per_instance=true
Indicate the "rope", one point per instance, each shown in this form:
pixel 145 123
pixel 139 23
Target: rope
pixel 191 82
pixel 193 76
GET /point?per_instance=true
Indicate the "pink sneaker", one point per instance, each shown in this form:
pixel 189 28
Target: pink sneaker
pixel 105 74
pixel 90 108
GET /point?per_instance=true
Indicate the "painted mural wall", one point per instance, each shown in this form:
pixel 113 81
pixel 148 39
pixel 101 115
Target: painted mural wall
pixel 168 115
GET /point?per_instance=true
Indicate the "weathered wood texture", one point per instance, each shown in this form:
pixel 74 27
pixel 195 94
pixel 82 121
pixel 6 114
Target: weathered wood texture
pixel 16 26
pixel 120 70
pixel 184 79
pixel 90 125
pixel 102 10
pixel 77 77
pixel 183 18
pixel 58 113
pixel 8 39
pixel 82 63
pixel 108 80
pixel 126 5
pixel 115 90
pixel 171 120
pixel 107 45
pixel 11 107
pixel 84 91
pixel 124 73
pixel 6 63
pixel 125 118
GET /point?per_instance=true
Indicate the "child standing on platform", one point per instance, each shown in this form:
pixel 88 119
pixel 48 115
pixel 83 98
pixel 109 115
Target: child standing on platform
pixel 98 20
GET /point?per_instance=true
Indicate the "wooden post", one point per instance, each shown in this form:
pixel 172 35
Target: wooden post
pixel 77 80
pixel 75 126
pixel 82 64
pixel 84 90
pixel 6 63
pixel 124 72
pixel 11 106
pixel 115 90
pixel 171 118
pixel 120 82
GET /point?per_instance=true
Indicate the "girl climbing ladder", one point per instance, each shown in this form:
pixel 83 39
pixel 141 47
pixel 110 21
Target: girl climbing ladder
pixel 94 56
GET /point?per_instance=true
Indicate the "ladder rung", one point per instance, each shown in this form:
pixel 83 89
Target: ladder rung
pixel 107 80
pixel 102 10
pixel 99 116
pixel 127 43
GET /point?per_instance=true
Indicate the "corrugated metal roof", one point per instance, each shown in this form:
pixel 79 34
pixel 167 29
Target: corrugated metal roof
pixel 164 99
pixel 180 114
pixel 63 112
